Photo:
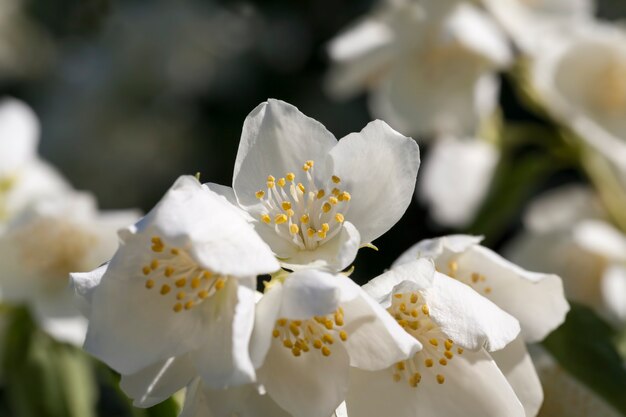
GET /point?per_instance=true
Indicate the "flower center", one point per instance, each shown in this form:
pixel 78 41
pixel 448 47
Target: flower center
pixel 177 276
pixel 411 312
pixel 320 332
pixel 475 280
pixel 306 215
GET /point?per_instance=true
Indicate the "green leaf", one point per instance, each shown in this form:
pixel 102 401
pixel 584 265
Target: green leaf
pixel 583 345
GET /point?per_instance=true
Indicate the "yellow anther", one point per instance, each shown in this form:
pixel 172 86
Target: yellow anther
pixel 448 354
pixel 310 232
pixel 287 343
pixel 325 351
pixel 265 218
pixel 149 284
pixel 317 344
pixel 260 194
pixel 281 182
pixel 425 309
pixel 290 213
pixel 345 196
pixel 325 227
pixel 169 271
pixel 333 200
pixel 280 218
pixel 207 274
pixel 304 219
pixel 305 167
pixel 434 342
pixel 189 304
pixel 338 319
pixel 154 264
pixel 178 307
pixel 174 251
pixel 165 289
pixel 459 351
pixel 321 194
pixel 397 377
pixel 281 322
pixel 295 330
pixel 413 298
pixel 286 205
pixel 441 379
pixel 275 333
pixel 195 283
pixel 321 234
pixel 448 344
pixel 157 244
pixel 294 229
pixel 428 363
pixel 475 277
pixel 414 313
pixel 328 339
pixel 296 352
pixel 402 307
pixel 181 282
pixel 453 267
pixel 415 379
pixel 270 178
pixel 181 295
pixel 339 218
pixel 400 366
pixel 220 284
pixel 336 191
pixel 343 335
pixel 290 176
pixel 414 325
pixel 336 179
pixel 443 361
pixel 146 270
pixel 326 207
pixel 203 294
pixel 310 163
pixel 301 187
pixel 398 295
pixel 488 290
pixel 328 324
pixel 271 184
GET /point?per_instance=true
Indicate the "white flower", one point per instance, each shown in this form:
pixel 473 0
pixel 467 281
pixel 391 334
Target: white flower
pixel 311 330
pixel 315 200
pixel 568 234
pixel 536 300
pixel 453 375
pixel 42 244
pixel 24 177
pixel 581 80
pixel 181 283
pixel 425 75
pixel 456 177
pixel 528 22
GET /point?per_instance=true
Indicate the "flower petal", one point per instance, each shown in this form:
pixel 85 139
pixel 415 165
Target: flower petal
pixel 19 135
pixel 223 359
pixel 439 249
pixel 421 272
pixel 276 138
pixel 515 289
pixel 310 385
pixel 468 318
pixel 518 368
pixel 613 287
pixel 474 386
pixel 375 340
pixel 83 284
pixel 310 292
pixel 267 309
pixel 380 191
pixel 158 382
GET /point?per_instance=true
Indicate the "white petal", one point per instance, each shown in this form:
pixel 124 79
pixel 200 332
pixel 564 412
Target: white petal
pixel 438 249
pixel 223 359
pixel 474 386
pixel 378 166
pixel 375 340
pixel 158 382
pixel 601 238
pixel 335 255
pixel 420 272
pixel 466 317
pixel 19 134
pixel 68 329
pixel 229 194
pixel 310 385
pixel 309 292
pixel 537 300
pixel 456 178
pixel 277 138
pixel 613 287
pixel 218 237
pixel 518 368
pixel 267 311
pixel 83 284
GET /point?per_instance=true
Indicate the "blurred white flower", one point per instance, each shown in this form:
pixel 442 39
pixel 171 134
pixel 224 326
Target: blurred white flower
pixel 24 177
pixel 310 330
pixel 456 177
pixel 512 289
pixel 425 75
pixel 581 79
pixel 567 234
pixel 564 394
pixel 453 375
pixel 528 22
pixel 328 198
pixel 180 288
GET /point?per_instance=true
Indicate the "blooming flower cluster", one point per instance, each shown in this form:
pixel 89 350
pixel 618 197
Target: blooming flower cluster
pixel 441 333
